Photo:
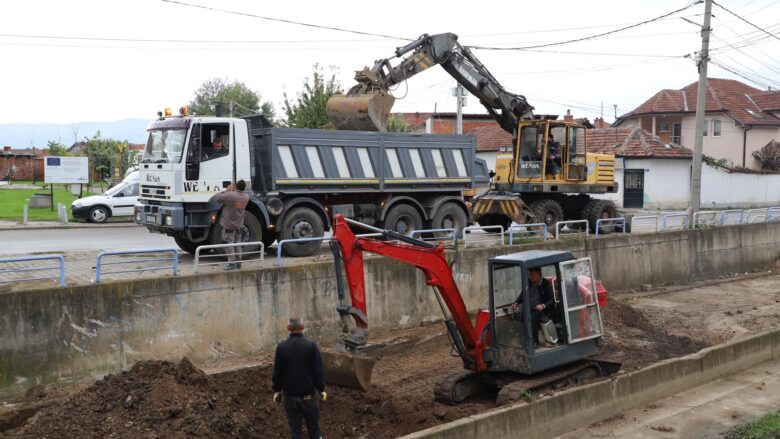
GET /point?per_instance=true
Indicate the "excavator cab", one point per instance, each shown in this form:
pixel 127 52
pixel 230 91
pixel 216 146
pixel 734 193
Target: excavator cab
pixel 517 332
pixel 547 152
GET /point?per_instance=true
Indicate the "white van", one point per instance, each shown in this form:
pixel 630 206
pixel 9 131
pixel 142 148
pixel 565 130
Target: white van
pixel 117 201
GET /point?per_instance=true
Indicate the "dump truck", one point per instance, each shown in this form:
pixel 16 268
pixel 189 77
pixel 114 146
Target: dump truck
pixel 299 178
pixel 540 181
pixel 512 346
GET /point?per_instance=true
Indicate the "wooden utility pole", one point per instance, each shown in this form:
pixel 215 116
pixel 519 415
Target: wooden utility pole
pixel 701 97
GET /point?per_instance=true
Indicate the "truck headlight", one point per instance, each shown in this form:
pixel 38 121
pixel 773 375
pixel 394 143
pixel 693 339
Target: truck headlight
pixel 169 221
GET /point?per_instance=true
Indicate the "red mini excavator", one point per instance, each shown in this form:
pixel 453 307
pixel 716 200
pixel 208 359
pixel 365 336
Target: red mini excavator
pixel 505 348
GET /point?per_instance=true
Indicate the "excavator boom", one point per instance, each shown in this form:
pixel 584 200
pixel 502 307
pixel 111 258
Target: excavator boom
pixel 366 106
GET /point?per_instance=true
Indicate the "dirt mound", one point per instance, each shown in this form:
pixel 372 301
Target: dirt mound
pixel 636 341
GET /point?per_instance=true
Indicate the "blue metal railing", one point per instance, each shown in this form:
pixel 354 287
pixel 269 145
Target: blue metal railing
pixel 727 217
pixel 174 258
pixel 279 247
pixel 453 236
pixel 619 220
pixel 60 267
pixel 523 228
pixel 675 215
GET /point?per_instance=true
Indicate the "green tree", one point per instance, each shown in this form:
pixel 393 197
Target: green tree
pixel 57 148
pixel 107 156
pixel 221 91
pixel 396 123
pixel 308 110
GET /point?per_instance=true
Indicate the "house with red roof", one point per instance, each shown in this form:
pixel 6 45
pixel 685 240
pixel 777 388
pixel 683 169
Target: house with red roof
pixel 740 119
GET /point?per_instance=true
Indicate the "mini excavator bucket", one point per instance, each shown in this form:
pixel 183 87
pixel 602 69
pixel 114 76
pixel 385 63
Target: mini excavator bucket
pixel 348 370
pixel 360 112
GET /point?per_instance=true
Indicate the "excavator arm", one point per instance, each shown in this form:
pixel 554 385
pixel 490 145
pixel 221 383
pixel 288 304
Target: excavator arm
pixel 366 106
pixel 348 249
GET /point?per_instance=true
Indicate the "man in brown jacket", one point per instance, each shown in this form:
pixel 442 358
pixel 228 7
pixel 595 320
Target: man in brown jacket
pixel 234 201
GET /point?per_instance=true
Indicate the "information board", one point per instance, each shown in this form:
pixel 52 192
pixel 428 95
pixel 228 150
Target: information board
pixel 66 170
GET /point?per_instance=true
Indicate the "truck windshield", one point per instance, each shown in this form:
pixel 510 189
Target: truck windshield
pixel 164 146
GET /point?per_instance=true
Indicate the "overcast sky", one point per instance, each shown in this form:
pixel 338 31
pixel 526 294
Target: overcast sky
pixel 107 60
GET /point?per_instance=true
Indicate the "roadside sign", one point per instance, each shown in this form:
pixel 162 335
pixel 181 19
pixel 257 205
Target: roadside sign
pixel 66 170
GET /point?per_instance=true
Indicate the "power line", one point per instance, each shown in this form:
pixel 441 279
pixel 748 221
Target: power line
pixel 734 14
pixel 281 20
pixel 740 74
pixel 149 40
pixel 554 30
pixel 584 38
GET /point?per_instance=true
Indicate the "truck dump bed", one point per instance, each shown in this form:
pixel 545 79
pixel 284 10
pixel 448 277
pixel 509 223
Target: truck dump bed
pixel 293 160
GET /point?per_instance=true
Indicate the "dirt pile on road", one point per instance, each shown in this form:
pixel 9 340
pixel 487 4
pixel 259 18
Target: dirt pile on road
pixel 156 399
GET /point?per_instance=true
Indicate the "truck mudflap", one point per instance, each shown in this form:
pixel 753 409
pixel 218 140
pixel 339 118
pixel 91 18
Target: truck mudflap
pixel 510 206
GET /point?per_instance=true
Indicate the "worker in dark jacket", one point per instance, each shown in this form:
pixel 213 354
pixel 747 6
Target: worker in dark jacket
pixel 234 201
pixel 297 374
pixel 541 299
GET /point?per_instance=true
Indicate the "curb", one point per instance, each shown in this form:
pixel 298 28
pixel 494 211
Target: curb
pixel 69 226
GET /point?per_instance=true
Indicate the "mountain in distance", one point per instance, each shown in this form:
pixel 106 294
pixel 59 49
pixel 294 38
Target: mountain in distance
pixel 27 135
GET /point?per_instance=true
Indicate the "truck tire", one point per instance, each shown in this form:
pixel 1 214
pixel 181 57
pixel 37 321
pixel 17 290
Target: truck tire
pixel 269 238
pixel 549 212
pixel 252 232
pixel 301 222
pixel 403 219
pixel 185 244
pixel 98 214
pixel 595 210
pixel 450 216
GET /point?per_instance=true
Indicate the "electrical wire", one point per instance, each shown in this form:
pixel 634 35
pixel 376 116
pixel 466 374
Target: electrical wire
pixel 281 20
pixel 745 20
pixel 740 74
pixel 149 40
pixel 591 37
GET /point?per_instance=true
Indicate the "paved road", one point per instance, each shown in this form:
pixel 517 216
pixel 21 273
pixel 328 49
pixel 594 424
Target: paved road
pixel 19 242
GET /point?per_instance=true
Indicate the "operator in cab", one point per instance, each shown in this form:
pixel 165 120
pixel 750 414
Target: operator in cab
pixel 553 155
pixel 542 301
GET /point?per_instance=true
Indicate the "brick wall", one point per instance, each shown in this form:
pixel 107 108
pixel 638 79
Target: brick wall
pixel 24 167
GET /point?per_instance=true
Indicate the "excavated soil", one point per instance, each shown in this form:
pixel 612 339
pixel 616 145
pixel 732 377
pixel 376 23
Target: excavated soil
pixel 156 399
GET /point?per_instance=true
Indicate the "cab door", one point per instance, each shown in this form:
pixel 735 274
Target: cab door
pixel 511 333
pixel 576 167
pixel 580 303
pixel 209 169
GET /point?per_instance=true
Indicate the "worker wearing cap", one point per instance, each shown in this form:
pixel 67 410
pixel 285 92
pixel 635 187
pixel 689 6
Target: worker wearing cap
pixel 297 374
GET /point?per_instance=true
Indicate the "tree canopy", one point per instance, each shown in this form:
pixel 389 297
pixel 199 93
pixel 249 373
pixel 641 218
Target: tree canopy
pixel 57 148
pixel 221 91
pixel 308 108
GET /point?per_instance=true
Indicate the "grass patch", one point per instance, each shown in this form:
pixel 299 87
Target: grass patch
pixel 765 427
pixel 13 200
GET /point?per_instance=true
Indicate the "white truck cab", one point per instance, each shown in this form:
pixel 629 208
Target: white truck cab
pixel 117 201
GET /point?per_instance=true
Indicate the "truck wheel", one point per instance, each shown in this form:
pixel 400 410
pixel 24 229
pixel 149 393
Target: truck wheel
pixel 595 210
pixel 403 219
pixel 548 212
pixel 185 244
pixel 98 214
pixel 450 216
pixel 301 222
pixel 269 238
pixel 252 232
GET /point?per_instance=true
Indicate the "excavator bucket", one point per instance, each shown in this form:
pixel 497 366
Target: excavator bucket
pixel 348 370
pixel 360 112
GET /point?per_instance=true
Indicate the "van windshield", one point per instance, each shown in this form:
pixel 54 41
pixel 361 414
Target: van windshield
pixel 164 146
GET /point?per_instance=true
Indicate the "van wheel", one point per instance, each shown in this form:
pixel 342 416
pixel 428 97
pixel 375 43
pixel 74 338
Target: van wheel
pixel 302 222
pixel 98 214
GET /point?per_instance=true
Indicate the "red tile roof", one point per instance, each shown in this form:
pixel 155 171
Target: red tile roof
pixel 491 138
pixel 745 104
pixel 633 142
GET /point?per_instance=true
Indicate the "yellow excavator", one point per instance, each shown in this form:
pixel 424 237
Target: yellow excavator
pixel 548 177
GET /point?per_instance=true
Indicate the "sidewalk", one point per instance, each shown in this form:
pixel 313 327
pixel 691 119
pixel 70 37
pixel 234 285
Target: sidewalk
pixel 33 225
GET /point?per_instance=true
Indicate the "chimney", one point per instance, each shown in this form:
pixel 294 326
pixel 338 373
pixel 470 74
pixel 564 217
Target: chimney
pixel 568 117
pixel 664 136
pixel 599 123
pixel 6 149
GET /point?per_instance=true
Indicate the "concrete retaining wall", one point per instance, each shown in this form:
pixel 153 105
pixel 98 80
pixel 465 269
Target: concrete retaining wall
pixel 81 333
pixel 581 406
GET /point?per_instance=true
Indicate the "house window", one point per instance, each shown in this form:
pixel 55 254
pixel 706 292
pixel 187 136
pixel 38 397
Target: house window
pixel 706 125
pixel 716 128
pixel 664 127
pixel 677 133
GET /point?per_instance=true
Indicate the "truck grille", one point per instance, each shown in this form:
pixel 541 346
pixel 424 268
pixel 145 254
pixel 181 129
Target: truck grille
pixel 154 192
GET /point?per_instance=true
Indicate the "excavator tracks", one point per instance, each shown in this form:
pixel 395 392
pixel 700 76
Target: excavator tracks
pixel 457 387
pixel 569 375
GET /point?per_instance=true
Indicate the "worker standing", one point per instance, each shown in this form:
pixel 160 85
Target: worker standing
pixel 234 201
pixel 297 374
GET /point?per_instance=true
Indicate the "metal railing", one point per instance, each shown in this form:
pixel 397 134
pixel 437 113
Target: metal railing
pixel 619 221
pixel 239 254
pixel 99 272
pixel 490 236
pixel 568 223
pixel 773 214
pixel 643 223
pixel 60 267
pixel 665 221
pixel 751 216
pixel 452 235
pixel 730 217
pixel 281 244
pixel 706 219
pixel 524 229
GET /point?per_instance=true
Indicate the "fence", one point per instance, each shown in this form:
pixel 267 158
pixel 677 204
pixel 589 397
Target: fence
pixel 679 221
pixel 60 267
pixel 560 224
pixel 490 236
pixel 706 219
pixel 528 231
pixel 239 254
pixel 99 272
pixel 451 235
pixel 731 217
pixel 614 221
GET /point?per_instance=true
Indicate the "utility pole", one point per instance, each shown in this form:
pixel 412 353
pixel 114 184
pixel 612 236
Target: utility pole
pixel 701 96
